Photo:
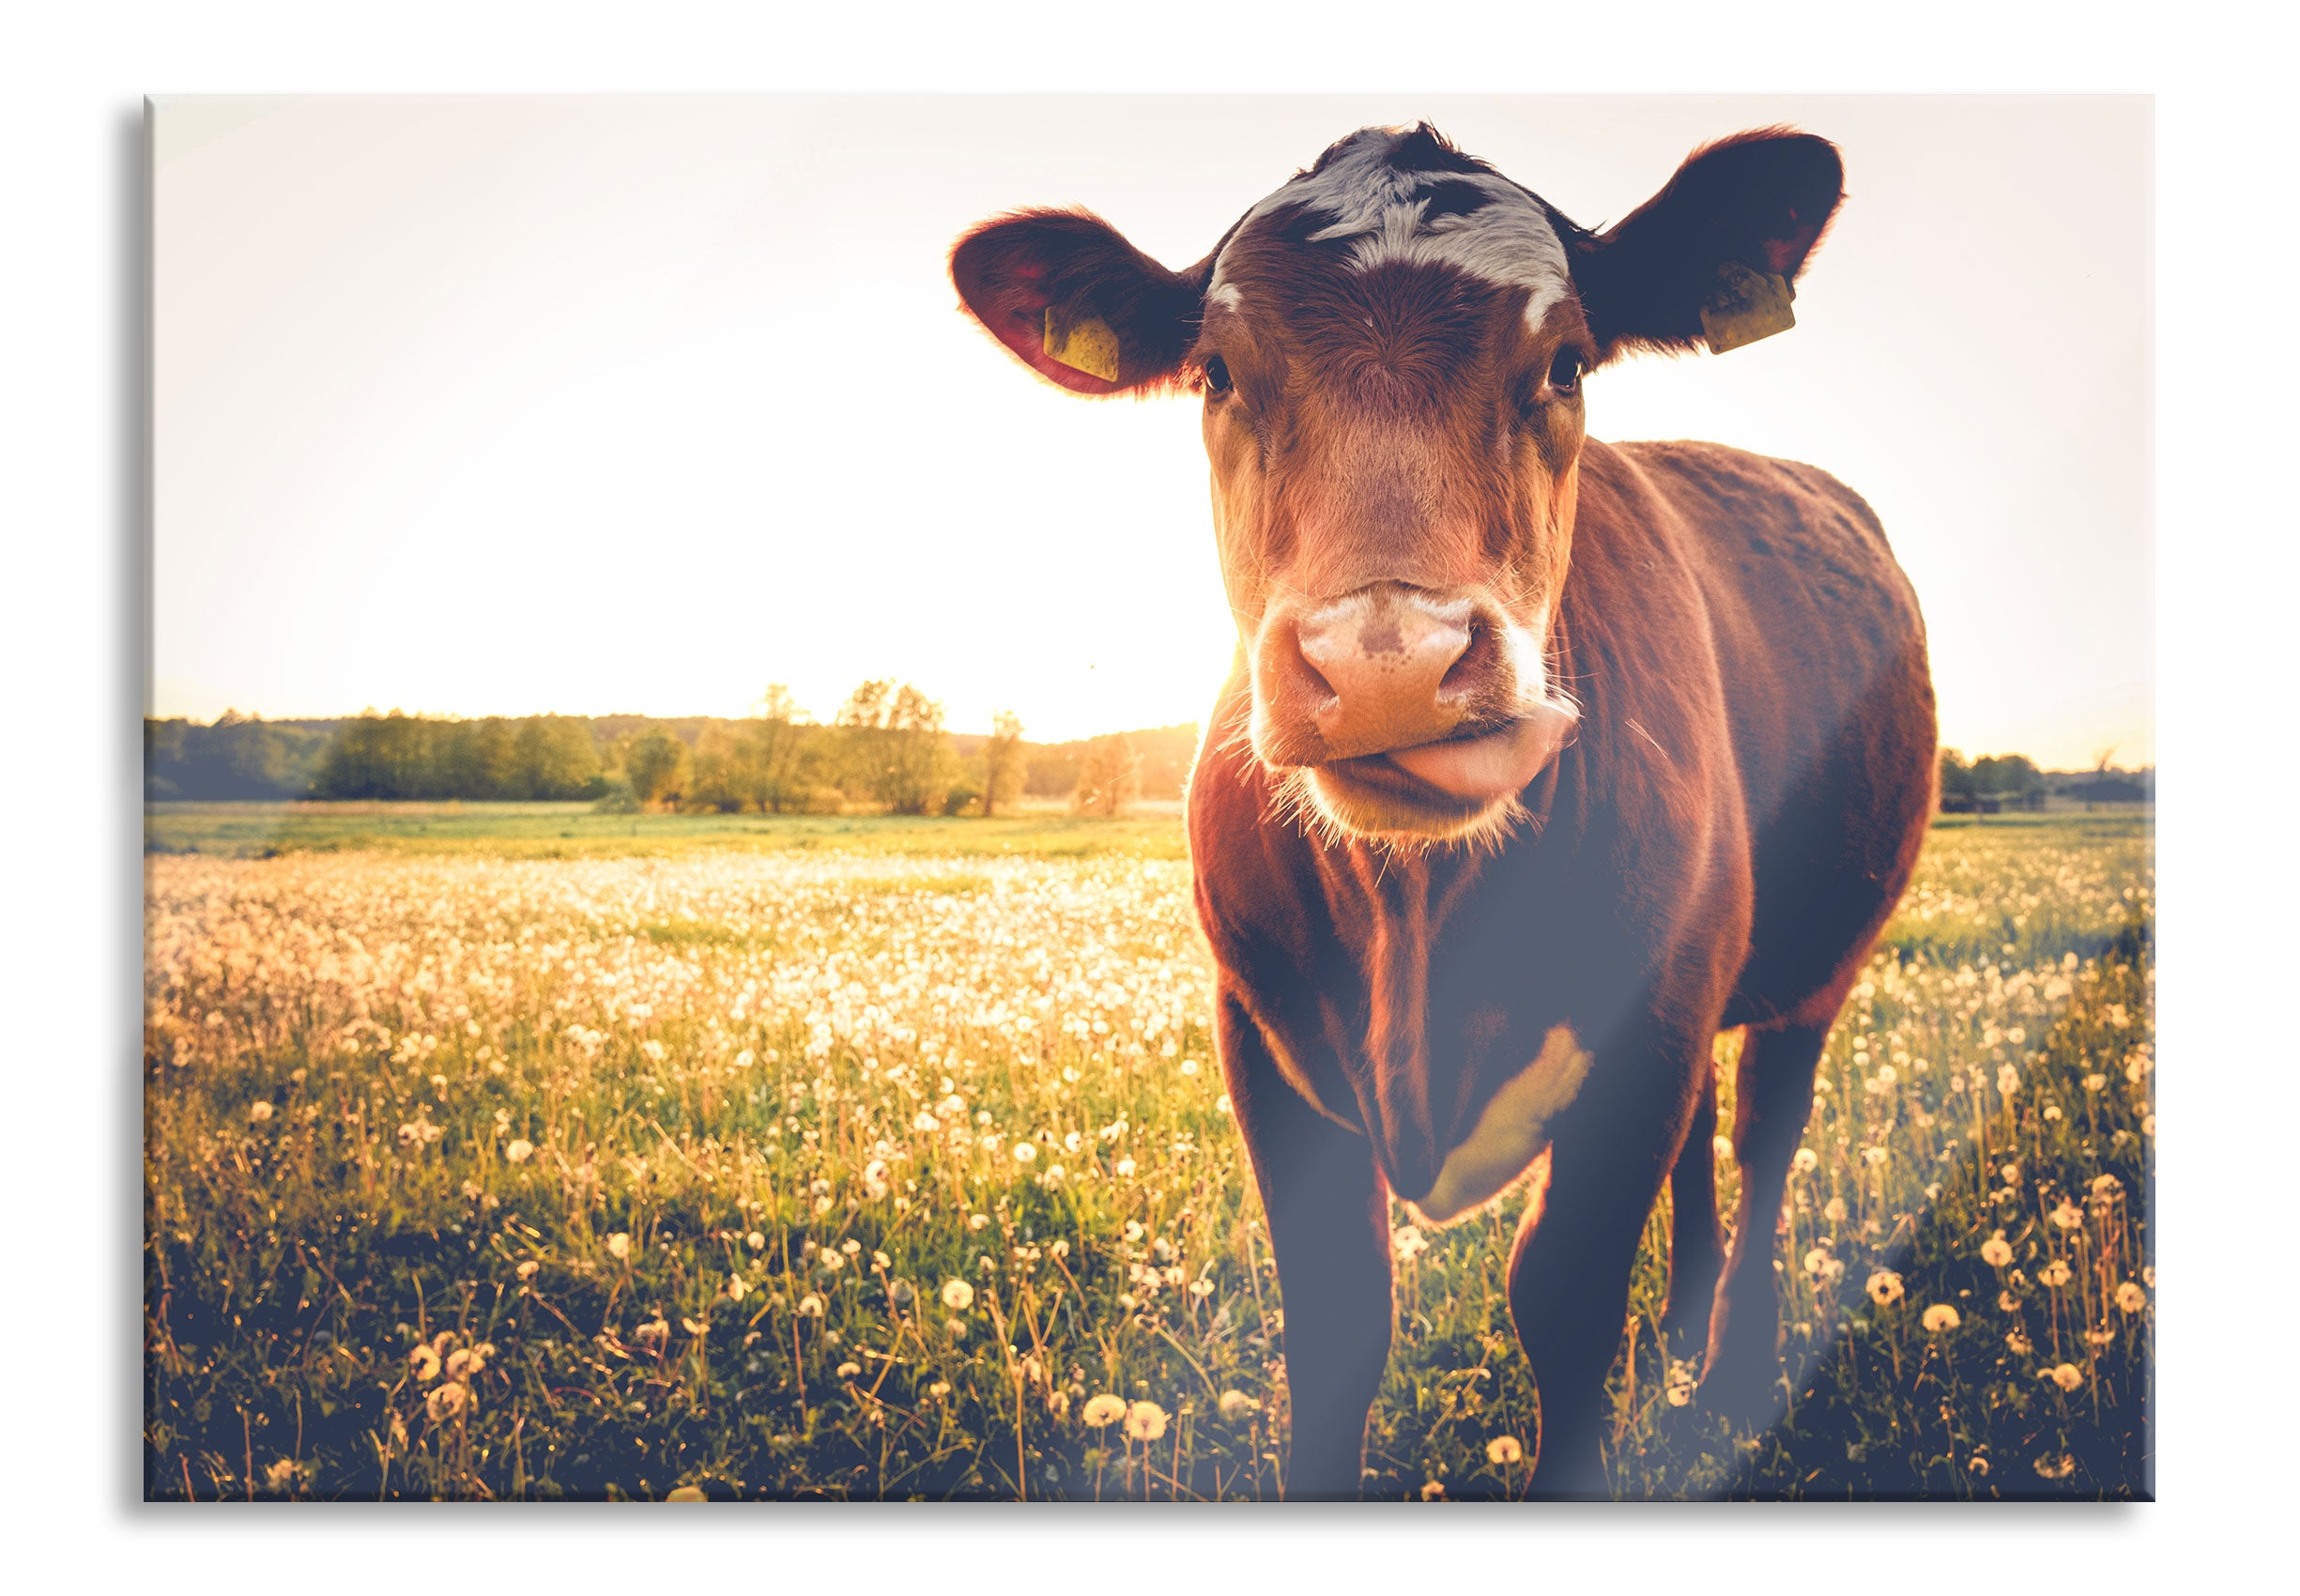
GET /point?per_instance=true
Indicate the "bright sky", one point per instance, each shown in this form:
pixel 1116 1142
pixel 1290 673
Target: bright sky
pixel 638 405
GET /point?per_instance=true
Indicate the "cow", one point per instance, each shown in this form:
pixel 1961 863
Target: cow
pixel 1543 761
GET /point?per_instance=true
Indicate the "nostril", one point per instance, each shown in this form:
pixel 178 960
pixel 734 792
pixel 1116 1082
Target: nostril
pixel 1474 665
pixel 1294 654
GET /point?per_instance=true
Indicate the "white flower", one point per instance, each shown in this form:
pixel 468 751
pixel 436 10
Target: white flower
pixel 519 1150
pixel 957 1296
pixel 1146 1421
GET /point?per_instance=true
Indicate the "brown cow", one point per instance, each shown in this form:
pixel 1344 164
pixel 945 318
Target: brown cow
pixel 1544 760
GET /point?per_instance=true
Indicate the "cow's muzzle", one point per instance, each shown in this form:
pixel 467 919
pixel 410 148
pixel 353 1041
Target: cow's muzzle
pixel 1410 699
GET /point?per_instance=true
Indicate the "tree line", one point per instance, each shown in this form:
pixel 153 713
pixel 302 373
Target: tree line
pixel 888 748
pixel 1995 782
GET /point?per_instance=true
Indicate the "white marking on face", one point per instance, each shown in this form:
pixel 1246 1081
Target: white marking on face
pixel 1508 240
pixel 1225 294
pixel 1513 1131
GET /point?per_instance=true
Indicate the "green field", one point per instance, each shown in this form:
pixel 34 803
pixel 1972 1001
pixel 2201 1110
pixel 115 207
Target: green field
pixel 524 1152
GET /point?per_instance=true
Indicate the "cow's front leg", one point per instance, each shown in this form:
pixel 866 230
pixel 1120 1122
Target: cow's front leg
pixel 1773 1099
pixel 1697 1244
pixel 1569 1270
pixel 1329 1216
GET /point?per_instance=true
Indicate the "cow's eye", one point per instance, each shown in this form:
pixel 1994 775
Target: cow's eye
pixel 1565 372
pixel 1218 375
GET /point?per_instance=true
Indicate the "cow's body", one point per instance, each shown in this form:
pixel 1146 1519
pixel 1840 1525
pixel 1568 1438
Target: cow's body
pixel 1544 761
pixel 1739 811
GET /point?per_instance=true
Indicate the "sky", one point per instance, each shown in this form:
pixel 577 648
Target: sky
pixel 638 405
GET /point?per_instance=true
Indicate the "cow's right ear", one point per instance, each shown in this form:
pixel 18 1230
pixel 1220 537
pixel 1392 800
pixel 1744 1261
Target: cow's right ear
pixel 1077 303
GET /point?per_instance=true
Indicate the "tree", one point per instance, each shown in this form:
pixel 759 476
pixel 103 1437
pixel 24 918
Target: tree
pixel 1110 777
pixel 1003 766
pixel 1957 788
pixel 782 737
pixel 653 766
pixel 2007 776
pixel 896 749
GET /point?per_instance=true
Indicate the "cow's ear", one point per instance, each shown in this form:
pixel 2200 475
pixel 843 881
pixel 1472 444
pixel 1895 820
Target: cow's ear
pixel 1713 257
pixel 1077 303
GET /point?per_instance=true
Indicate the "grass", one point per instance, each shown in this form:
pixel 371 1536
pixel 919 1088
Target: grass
pixel 576 830
pixel 481 1165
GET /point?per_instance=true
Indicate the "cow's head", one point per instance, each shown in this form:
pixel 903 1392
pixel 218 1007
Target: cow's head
pixel 1390 351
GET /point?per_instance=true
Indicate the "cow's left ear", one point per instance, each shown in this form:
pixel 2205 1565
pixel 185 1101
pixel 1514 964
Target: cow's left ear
pixel 1077 303
pixel 1711 258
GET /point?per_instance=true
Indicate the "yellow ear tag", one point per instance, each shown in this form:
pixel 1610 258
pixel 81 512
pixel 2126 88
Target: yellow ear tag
pixel 1746 306
pixel 1089 345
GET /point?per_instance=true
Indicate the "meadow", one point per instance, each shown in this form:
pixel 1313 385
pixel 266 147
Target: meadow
pixel 539 1155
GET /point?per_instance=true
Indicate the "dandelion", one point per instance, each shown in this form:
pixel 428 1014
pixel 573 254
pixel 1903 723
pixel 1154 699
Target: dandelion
pixel 756 1242
pixel 2066 1375
pixel 2130 1299
pixel 1885 1288
pixel 1873 1157
pixel 2017 1345
pixel 1834 1212
pixel 1941 1317
pixel 424 1360
pixel 830 1261
pixel 1806 1160
pixel 848 1369
pixel 1817 1261
pixel 519 1150
pixel 1408 1243
pixel 955 1328
pixel 687 1494
pixel 2095 1083
pixel 1235 1406
pixel 736 1290
pixel 978 1222
pixel 810 1307
pixel 259 1112
pixel 1146 1421
pixel 1431 1490
pixel 2056 1468
pixel 940 1388
pixel 527 1267
pixel 2011 1174
pixel 925 1122
pixel 2056 1273
pixel 1680 1385
pixel 2067 1215
pixel 619 1244
pixel 1722 1146
pixel 1103 1411
pixel 1025 1152
pixel 445 1401
pixel 1503 1451
pixel 1997 1251
pixel 902 1293
pixel 1058 1404
pixel 957 1296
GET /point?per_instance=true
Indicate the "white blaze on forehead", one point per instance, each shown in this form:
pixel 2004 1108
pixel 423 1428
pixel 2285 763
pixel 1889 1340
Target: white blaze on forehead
pixel 1508 240
pixel 1225 294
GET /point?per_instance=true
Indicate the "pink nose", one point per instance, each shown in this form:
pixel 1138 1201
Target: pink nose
pixel 1388 666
